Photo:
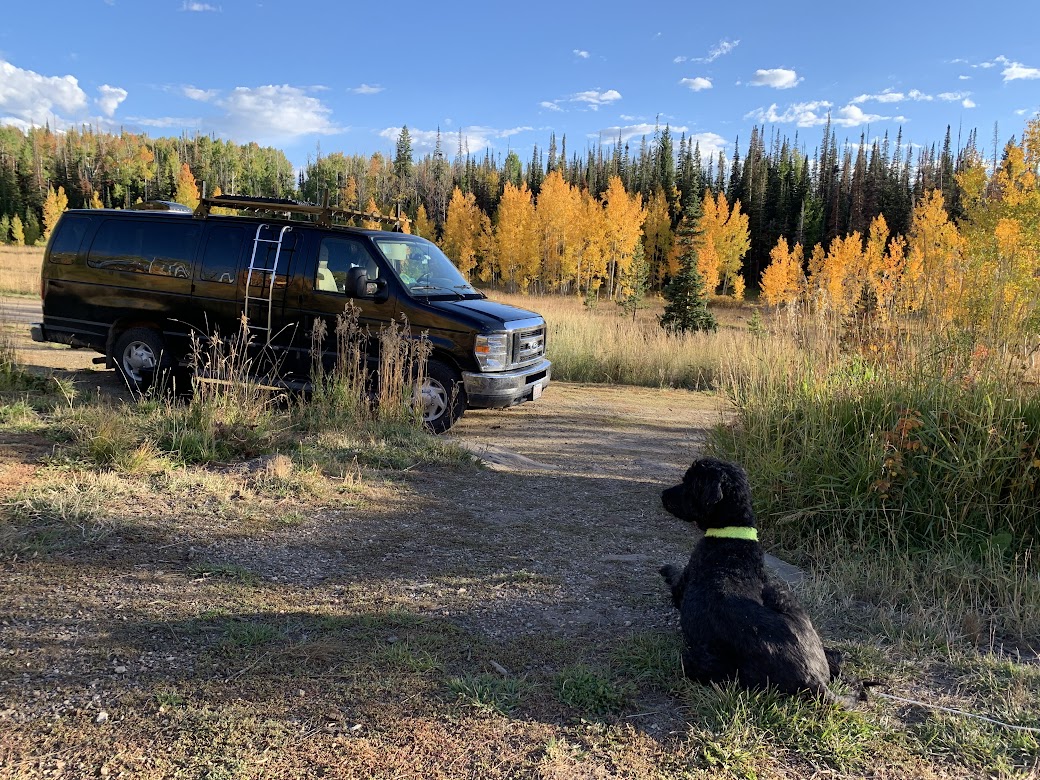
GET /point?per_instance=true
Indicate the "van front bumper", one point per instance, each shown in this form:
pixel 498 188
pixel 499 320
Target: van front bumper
pixel 506 388
pixel 36 331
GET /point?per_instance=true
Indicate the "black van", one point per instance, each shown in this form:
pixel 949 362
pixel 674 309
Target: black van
pixel 134 284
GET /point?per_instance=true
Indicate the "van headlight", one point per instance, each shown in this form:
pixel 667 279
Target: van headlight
pixel 492 351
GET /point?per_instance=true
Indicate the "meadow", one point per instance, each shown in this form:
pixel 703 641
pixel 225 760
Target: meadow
pixel 905 482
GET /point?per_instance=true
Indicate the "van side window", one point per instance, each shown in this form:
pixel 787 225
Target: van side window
pixel 336 256
pixel 157 248
pixel 67 238
pixel 222 253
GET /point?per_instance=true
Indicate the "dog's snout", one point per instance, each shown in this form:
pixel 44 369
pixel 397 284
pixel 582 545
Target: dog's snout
pixel 672 500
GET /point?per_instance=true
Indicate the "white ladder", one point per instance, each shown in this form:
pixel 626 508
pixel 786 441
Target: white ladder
pixel 263 267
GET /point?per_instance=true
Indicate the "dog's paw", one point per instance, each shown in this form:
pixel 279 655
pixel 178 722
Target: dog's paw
pixel 670 573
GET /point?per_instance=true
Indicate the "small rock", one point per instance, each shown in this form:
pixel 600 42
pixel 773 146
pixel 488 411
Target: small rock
pixel 102 717
pixel 120 670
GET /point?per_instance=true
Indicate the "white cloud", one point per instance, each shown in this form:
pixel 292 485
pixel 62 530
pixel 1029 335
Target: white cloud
pixel 594 99
pixel 28 98
pixel 915 95
pixel 581 53
pixel 268 114
pixel 807 114
pixel 697 83
pixel 815 113
pixel 179 122
pixel 723 48
pixel 474 138
pixel 854 116
pixel 1016 70
pixel 777 78
pixel 551 105
pixel 968 103
pixel 110 99
pixel 710 143
pixel 629 132
pixel 367 89
pixel 188 5
pixel 964 78
pixel 680 59
pixel 201 95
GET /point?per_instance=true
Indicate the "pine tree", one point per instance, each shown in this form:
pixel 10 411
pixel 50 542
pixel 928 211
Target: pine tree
pixel 5 229
pixel 687 307
pixel 31 226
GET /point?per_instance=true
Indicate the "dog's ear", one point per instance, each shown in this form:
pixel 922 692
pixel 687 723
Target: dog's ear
pixel 704 484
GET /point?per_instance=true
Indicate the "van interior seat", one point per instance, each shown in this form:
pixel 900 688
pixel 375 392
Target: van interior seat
pixel 325 280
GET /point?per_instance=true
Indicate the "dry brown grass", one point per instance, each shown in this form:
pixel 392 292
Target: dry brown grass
pixel 20 269
pixel 600 344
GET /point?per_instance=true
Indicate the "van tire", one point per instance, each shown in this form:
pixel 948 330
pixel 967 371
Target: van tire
pixel 442 396
pixel 138 355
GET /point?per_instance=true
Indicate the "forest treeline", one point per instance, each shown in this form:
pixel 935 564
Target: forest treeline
pixel 601 219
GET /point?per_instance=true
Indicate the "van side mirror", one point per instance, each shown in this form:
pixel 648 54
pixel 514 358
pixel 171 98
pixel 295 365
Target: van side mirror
pixel 360 286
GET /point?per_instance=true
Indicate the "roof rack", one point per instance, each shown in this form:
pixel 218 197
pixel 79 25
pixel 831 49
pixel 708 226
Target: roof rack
pixel 324 215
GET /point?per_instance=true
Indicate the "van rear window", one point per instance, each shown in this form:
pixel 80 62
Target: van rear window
pixel 157 248
pixel 68 235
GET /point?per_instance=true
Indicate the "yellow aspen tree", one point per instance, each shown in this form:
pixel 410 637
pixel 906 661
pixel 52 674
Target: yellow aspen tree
pixel 95 200
pixel 624 214
pixel 461 230
pixel 217 192
pixel 782 280
pixel 874 260
pixel 889 282
pixel 843 273
pixel 555 213
pixel 487 260
pixel 593 239
pixel 348 194
pixel 727 229
pixel 708 265
pixel 516 238
pixel 423 225
pixel 658 239
pixel 17 231
pixel 187 190
pixel 53 206
pixel 371 223
pixel 936 281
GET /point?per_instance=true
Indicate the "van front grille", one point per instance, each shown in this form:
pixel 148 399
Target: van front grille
pixel 528 345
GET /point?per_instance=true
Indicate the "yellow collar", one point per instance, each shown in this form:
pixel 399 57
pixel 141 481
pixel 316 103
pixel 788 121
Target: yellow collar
pixel 734 532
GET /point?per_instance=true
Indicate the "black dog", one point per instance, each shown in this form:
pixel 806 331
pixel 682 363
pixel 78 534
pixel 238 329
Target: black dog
pixel 738 624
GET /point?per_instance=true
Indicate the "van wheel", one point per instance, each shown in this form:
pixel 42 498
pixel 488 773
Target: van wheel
pixel 442 396
pixel 137 354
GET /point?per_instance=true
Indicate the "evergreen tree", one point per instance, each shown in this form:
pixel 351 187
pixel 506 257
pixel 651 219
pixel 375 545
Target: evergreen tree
pixel 31 227
pixel 5 229
pixel 687 307
pixel 404 180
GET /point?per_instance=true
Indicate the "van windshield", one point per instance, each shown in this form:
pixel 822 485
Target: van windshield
pixel 422 267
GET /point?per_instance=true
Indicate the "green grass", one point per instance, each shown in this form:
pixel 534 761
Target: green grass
pixel 488 693
pixel 591 691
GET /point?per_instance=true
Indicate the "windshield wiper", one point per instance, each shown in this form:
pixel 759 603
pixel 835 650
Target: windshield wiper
pixel 448 290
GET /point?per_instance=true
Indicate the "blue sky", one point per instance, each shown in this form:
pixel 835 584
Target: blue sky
pixel 345 76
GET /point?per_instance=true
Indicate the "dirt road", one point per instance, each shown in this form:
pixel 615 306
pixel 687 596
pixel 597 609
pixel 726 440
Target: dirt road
pixel 600 430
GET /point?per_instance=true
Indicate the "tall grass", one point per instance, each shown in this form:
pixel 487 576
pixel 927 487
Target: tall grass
pixel 599 345
pixel 20 270
pixel 926 464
